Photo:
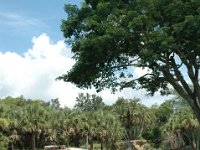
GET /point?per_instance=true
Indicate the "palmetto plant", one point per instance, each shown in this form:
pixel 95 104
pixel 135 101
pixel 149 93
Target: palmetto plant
pixel 184 127
pixel 134 116
pixel 107 128
pixel 33 121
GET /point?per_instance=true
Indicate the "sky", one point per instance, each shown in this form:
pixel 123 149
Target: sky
pixel 33 54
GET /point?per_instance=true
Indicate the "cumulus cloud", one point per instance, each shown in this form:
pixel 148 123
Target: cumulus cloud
pixel 33 75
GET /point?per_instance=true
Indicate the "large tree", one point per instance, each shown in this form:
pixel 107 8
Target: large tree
pixel 110 38
pixel 89 102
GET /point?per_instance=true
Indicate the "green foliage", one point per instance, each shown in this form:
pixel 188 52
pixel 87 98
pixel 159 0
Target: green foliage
pixel 183 128
pixel 55 103
pixel 154 136
pixel 4 123
pixel 3 142
pixel 34 123
pixel 164 111
pixel 134 116
pixel 89 102
pixel 112 33
pixel 110 38
pixel 19 101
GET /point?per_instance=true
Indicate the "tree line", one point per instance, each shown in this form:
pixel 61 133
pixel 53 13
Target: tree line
pixel 32 124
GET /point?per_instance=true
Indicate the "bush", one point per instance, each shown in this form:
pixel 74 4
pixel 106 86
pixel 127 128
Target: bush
pixel 3 142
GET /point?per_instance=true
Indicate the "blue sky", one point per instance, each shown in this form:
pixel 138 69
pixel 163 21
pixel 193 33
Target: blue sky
pixel 23 19
pixel 33 54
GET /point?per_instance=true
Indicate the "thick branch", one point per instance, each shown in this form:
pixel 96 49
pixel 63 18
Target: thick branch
pixel 180 77
pixel 169 77
pixel 193 75
pixel 137 79
pixel 196 83
pixel 196 75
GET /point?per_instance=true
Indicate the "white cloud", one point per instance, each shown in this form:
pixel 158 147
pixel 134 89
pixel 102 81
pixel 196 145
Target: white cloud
pixel 140 72
pixel 17 20
pixel 33 75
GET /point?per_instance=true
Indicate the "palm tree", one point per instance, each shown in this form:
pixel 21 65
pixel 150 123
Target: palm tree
pixel 74 124
pixel 15 127
pixel 4 124
pixel 33 121
pixel 184 127
pixel 134 116
pixel 56 128
pixel 107 128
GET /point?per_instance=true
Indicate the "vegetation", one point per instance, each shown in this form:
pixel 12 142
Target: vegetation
pixel 32 124
pixel 110 38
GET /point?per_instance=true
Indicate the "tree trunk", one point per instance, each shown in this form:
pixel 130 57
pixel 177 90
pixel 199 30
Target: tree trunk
pixel 107 146
pixel 192 101
pixel 185 91
pixel 196 111
pixel 86 142
pixel 194 145
pixel 33 141
pixel 101 144
pixel 197 139
pixel 12 146
pixel 91 144
pixel 76 140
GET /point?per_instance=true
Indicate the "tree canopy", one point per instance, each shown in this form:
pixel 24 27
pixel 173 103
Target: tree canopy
pixel 89 102
pixel 110 38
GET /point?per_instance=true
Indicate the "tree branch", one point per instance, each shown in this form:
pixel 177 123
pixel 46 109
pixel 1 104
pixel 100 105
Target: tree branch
pixel 180 77
pixel 169 77
pixel 193 75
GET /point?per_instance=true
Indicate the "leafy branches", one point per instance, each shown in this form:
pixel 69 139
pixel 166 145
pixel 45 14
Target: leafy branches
pixel 163 36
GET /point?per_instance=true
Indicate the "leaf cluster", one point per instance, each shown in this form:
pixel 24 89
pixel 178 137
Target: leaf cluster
pixel 109 38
